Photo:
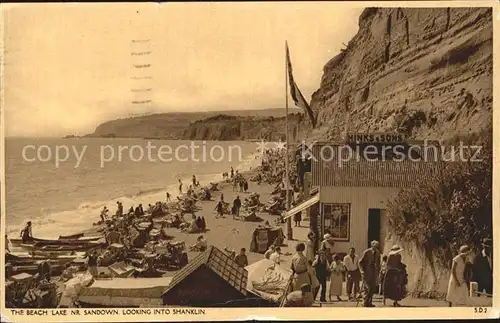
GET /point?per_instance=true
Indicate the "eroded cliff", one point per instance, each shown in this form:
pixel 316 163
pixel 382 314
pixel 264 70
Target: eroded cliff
pixel 424 72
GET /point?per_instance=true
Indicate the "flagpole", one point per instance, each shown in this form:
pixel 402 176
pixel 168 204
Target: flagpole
pixel 289 233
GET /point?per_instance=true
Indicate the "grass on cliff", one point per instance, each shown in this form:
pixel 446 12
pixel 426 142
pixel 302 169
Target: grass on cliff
pixel 451 209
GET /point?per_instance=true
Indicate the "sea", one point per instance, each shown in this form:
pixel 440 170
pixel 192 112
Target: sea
pixel 61 185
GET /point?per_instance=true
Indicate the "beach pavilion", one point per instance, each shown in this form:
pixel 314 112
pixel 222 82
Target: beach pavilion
pixel 353 187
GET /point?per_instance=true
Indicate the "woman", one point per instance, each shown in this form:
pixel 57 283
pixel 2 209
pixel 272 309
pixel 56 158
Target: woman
pixel 395 279
pixel 320 265
pixel 310 253
pixel 302 270
pixel 337 270
pixel 269 252
pixel 200 245
pixel 26 233
pixel 458 293
pixel 327 246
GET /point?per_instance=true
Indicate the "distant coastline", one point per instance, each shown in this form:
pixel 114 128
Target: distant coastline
pixel 231 125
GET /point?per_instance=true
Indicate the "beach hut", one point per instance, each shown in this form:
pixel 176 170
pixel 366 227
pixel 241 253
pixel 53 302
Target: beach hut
pixel 355 186
pixel 210 279
pixel 263 237
pixel 124 292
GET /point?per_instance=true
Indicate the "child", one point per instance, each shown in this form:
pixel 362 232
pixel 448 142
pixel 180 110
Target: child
pixel 383 270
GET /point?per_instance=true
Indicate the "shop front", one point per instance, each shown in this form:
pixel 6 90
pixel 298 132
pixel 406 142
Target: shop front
pixel 354 193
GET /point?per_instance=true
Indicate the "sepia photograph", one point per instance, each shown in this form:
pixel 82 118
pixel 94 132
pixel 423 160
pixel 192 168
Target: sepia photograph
pixel 173 158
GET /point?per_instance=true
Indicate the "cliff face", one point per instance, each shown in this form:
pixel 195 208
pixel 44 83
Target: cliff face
pixel 426 73
pixel 174 125
pixel 224 127
pixel 423 72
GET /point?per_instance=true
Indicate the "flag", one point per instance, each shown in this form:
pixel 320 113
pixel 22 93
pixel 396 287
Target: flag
pixel 297 96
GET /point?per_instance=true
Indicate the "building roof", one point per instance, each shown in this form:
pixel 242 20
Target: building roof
pixel 218 262
pixel 328 169
pixel 132 297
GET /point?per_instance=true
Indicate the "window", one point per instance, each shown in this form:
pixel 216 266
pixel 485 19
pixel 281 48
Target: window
pixel 337 217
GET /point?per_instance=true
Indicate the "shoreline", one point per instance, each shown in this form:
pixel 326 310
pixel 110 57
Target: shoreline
pixel 84 214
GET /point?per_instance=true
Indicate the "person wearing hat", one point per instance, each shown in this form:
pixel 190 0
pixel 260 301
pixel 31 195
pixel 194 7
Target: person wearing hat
pixel 327 246
pixel 458 293
pixel 300 298
pixel 303 272
pixel 369 266
pixel 395 278
pixel 483 267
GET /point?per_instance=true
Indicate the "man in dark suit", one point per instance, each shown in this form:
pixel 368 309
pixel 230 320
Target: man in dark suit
pixel 369 266
pixel 483 267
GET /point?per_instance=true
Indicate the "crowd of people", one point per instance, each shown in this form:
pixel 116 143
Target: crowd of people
pixel 372 273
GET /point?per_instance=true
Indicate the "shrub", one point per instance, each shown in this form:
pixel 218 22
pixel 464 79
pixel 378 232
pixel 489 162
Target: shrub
pixel 451 209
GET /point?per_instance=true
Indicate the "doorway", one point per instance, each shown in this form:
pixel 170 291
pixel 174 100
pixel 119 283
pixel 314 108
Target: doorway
pixel 373 225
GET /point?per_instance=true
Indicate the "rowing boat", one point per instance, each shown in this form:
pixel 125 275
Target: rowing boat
pixel 63 241
pixel 58 247
pixel 27 259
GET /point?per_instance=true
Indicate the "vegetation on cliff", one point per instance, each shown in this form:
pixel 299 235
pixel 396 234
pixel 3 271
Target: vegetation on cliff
pixel 452 209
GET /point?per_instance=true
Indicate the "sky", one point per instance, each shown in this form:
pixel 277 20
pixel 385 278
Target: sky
pixel 69 67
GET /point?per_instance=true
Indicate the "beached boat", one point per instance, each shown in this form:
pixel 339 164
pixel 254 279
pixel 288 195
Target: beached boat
pixel 20 259
pixel 55 269
pixel 61 247
pixel 65 242
pixel 81 237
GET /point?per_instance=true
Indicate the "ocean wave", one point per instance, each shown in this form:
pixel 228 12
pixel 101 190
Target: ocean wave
pixel 49 224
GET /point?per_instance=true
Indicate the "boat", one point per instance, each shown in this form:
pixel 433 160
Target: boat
pixel 42 242
pixel 80 237
pixel 85 246
pixel 27 259
pixel 33 269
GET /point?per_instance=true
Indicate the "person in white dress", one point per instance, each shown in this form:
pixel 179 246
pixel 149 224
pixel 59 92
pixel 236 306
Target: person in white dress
pixel 275 256
pixel 458 293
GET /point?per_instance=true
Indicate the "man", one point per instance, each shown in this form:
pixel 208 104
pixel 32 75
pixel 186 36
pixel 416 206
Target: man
pixel 483 268
pixel 300 298
pixel 241 259
pixel 119 211
pixel 369 266
pixel 168 197
pixel 237 206
pixel 353 275
pixel 104 214
pixel 27 233
pixel 320 265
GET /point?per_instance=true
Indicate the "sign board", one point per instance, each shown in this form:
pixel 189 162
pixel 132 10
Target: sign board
pixel 375 137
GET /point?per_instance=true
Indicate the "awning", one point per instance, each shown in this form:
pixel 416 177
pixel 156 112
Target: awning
pixel 302 206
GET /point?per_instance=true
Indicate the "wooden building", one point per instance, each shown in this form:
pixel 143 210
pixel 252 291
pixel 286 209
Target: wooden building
pixel 354 190
pixel 211 279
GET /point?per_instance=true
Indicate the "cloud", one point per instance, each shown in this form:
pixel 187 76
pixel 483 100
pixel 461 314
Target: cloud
pixel 69 67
